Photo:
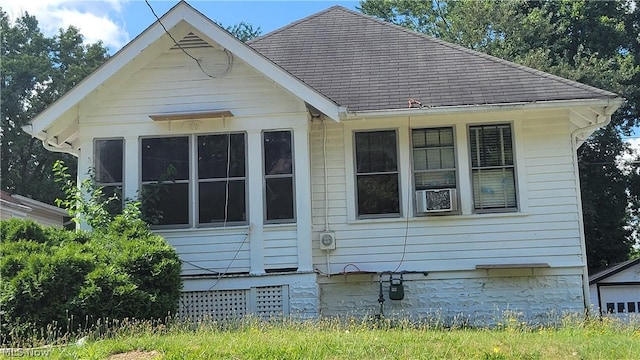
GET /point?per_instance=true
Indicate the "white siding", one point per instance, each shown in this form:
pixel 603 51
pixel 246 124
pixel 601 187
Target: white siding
pixel 544 230
pixel 173 83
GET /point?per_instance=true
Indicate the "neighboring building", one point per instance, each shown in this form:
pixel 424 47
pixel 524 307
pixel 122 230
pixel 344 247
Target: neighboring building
pixel 343 145
pixel 616 290
pixel 17 206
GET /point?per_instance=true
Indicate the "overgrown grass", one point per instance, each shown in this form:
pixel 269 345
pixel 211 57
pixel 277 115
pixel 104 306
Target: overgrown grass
pixel 354 339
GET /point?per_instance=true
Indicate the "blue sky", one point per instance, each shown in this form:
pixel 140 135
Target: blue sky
pixel 116 22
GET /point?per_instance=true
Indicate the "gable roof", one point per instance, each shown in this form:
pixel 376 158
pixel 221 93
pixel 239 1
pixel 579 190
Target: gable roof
pixel 64 110
pixel 612 270
pixel 366 64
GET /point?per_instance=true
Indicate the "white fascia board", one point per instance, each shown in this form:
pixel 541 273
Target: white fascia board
pixel 35 204
pixel 609 106
pixel 265 66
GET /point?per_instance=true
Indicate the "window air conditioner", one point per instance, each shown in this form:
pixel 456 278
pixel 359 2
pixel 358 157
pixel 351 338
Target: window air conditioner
pixel 433 201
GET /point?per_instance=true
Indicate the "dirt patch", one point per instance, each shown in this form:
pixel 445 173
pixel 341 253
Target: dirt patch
pixel 135 355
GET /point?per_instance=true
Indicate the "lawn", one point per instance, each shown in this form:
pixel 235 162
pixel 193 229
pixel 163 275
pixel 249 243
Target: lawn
pixel 351 339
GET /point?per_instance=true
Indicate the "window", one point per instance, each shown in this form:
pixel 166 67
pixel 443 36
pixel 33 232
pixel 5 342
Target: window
pixel 631 307
pixel 278 176
pixel 611 308
pixel 165 180
pixel 219 187
pixel 492 167
pixel 109 168
pixel 434 164
pixel 221 179
pixel 377 173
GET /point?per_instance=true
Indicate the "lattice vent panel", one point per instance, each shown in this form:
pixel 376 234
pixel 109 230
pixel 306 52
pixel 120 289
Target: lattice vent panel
pixel 269 301
pixel 216 305
pixel 191 41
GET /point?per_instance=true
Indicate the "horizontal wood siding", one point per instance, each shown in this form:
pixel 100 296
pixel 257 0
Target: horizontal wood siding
pixel 206 252
pixel 545 230
pixel 280 248
pixel 173 83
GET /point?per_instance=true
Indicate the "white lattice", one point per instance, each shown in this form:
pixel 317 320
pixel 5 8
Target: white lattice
pixel 268 301
pixel 216 305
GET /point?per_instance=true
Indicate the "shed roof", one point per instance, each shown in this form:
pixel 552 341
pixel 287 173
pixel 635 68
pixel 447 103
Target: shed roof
pixel 366 64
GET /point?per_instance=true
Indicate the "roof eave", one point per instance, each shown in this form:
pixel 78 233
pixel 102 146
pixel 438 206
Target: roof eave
pixel 610 104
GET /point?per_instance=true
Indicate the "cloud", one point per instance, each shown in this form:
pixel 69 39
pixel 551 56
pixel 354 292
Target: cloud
pixel 97 20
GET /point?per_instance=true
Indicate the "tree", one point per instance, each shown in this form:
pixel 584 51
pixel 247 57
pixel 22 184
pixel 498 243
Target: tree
pixel 243 31
pixel 593 42
pixel 35 71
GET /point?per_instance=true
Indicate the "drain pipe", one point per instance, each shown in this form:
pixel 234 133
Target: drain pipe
pixel 574 147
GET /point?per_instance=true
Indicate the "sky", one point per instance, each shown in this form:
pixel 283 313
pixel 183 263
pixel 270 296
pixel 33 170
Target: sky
pixel 116 22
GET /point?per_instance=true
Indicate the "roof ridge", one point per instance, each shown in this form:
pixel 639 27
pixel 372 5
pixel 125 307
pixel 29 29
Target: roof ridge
pixel 297 22
pixel 457 47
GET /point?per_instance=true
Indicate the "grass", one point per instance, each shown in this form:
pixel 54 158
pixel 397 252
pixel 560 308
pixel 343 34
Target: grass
pixel 354 339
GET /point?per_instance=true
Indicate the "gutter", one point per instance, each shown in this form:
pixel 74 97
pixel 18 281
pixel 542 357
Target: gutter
pixel 606 119
pixel 436 110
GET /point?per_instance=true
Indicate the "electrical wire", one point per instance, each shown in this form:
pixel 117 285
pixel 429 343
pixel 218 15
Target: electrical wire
pixel 229 55
pixel 406 224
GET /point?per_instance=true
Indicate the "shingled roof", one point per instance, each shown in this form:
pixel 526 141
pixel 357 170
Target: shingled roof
pixel 366 64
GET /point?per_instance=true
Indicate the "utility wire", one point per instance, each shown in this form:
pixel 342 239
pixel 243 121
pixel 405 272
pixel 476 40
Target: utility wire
pixel 185 51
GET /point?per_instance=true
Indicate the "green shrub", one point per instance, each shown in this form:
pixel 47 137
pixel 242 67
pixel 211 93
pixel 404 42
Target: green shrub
pixel 55 277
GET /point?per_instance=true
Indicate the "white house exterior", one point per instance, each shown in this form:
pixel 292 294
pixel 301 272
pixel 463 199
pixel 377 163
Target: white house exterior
pixel 22 207
pixel 326 128
pixel 615 291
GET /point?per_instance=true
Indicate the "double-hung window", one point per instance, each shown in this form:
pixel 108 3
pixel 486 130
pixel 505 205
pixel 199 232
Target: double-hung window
pixel 377 177
pixel 278 176
pixel 165 180
pixel 434 163
pixel 109 168
pixel 219 185
pixel 221 179
pixel 492 167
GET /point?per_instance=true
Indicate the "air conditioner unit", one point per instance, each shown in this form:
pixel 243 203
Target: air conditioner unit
pixel 327 241
pixel 434 201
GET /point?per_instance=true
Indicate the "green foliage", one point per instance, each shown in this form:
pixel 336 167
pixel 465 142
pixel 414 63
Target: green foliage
pixel 35 71
pixel 244 31
pixel 52 276
pixel 593 42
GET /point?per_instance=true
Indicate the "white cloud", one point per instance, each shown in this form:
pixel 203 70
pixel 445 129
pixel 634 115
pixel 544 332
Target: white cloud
pixel 97 20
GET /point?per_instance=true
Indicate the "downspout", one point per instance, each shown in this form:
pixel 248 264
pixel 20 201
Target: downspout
pixel 583 246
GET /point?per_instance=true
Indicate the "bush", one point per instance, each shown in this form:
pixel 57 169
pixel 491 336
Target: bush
pixel 54 277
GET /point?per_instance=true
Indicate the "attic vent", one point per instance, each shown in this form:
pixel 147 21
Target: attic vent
pixel 191 41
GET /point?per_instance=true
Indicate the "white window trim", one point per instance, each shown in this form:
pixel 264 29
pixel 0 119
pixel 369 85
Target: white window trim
pixel 265 177
pixel 193 182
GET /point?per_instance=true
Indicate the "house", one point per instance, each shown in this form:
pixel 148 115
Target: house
pixel 616 290
pixel 17 206
pixel 342 166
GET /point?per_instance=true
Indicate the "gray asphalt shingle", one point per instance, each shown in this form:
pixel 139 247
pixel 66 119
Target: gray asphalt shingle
pixel 366 64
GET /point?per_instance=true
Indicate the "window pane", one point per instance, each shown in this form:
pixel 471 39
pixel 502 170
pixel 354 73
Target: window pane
pixel 166 204
pixel 212 197
pixel 165 159
pixel 491 146
pixel 213 153
pixel 378 194
pixel 114 207
pixel 435 180
pixel 109 160
pixel 376 152
pixel 631 307
pixel 277 153
pixel 494 188
pixel 279 198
